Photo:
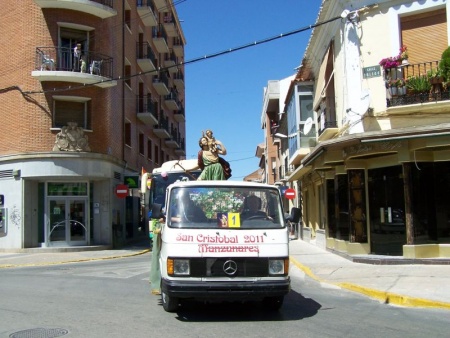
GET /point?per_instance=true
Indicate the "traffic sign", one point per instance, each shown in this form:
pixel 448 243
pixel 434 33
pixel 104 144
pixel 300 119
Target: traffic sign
pixel 131 181
pixel 289 194
pixel 121 190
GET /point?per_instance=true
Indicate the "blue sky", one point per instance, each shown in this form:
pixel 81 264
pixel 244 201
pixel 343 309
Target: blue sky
pixel 225 93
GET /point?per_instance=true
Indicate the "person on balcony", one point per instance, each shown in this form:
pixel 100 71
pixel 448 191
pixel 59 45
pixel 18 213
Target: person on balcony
pixel 77 58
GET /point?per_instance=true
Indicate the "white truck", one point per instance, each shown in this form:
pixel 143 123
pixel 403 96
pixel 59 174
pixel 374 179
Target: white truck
pixel 224 241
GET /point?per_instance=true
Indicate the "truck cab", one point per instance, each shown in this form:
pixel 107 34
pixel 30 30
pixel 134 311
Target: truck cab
pixel 224 241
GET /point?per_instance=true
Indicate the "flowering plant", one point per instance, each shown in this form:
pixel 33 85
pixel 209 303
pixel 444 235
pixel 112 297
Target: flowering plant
pixel 403 53
pixel 400 82
pixel 390 62
pixel 395 61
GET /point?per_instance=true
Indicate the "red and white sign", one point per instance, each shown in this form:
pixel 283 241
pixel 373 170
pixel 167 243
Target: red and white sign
pixel 122 190
pixel 289 194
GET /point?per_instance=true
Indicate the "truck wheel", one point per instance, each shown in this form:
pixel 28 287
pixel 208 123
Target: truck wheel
pixel 273 303
pixel 170 304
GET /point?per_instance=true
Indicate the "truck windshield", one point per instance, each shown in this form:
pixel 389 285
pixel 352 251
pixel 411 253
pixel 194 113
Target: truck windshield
pixel 225 207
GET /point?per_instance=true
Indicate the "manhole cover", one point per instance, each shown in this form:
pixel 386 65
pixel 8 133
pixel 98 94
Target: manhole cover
pixel 39 333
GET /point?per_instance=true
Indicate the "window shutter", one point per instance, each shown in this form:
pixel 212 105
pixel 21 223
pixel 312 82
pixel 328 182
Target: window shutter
pixel 425 35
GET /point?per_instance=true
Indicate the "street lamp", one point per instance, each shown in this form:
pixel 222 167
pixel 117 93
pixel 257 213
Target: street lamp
pixel 286 136
pixel 306 129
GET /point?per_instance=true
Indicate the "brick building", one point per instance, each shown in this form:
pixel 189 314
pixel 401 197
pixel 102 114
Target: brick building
pixel 92 94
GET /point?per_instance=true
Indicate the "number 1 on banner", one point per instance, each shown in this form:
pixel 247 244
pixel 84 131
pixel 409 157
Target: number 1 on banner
pixel 234 220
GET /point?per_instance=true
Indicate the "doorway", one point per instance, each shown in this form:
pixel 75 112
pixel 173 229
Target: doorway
pixel 68 223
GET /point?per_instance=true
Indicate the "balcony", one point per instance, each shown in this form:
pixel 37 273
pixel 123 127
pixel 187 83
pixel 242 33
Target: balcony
pixel 170 25
pixel 146 11
pixel 178 80
pixel 170 63
pixel 58 65
pixel 161 84
pixel 327 128
pixel 179 115
pixel 171 101
pixel 160 39
pixel 180 151
pixel 146 110
pixel 145 57
pixel 102 9
pixel 161 129
pixel 178 47
pixel 173 141
pixel 160 4
pixel 413 84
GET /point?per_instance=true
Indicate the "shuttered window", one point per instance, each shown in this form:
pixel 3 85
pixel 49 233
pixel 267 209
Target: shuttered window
pixel 425 35
pixel 66 111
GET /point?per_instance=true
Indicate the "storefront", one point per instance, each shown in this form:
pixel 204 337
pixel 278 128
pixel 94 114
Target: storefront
pixel 64 200
pixel 382 197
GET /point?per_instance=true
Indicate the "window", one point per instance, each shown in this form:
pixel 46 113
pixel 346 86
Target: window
pixel 225 207
pixel 128 18
pixel 157 154
pixel 149 149
pixel 127 75
pixel 141 143
pixel 128 133
pixel 71 109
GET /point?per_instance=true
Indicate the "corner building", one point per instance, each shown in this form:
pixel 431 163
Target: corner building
pixel 76 125
pixel 368 112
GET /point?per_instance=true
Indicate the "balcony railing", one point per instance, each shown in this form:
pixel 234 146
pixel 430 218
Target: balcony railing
pixel 145 104
pixel 145 57
pixel 414 83
pixel 146 10
pixel 62 59
pixel 323 124
pixel 160 39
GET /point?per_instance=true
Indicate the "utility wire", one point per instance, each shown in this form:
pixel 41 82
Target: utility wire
pixel 202 58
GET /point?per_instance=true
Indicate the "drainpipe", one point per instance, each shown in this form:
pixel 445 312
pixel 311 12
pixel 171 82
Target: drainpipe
pixel 123 83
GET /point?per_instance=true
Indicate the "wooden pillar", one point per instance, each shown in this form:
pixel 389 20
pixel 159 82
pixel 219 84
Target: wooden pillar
pixel 407 187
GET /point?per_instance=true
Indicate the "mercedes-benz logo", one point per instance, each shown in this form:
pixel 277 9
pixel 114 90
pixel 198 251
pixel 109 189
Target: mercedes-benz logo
pixel 230 267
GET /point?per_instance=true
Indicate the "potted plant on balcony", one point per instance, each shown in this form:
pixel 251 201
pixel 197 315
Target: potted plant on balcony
pixel 395 61
pixel 401 86
pixel 435 76
pixel 391 84
pixel 419 85
pixel 444 66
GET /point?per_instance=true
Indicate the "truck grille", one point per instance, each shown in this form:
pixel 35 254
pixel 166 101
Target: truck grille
pixel 214 267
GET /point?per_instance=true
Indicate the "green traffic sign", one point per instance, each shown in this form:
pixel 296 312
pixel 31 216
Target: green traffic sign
pixel 132 181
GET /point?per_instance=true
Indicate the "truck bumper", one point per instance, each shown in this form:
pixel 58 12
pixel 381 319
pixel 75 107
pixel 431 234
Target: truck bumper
pixel 234 290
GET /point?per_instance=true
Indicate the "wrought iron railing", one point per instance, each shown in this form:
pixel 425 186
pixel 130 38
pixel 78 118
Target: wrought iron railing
pixel 145 3
pixel 145 104
pixel 415 83
pixel 63 59
pixel 144 51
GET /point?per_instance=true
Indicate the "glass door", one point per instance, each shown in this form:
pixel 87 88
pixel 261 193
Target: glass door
pixel 67 221
pixel 57 221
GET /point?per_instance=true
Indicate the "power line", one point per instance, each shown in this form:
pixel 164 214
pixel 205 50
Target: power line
pixel 198 59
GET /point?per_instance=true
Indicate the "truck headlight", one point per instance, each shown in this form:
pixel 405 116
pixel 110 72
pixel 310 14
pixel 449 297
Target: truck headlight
pixel 177 266
pixel 278 266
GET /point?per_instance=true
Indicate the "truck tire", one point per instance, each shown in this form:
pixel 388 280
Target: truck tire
pixel 170 304
pixel 273 303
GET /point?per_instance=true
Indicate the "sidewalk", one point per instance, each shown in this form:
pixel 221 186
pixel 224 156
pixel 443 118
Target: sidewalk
pixel 416 285
pixel 391 281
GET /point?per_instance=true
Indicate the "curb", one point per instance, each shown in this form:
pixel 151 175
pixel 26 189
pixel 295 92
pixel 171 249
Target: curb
pixel 6 266
pixel 383 296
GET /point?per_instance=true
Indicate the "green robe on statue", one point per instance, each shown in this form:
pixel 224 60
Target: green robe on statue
pixel 211 171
